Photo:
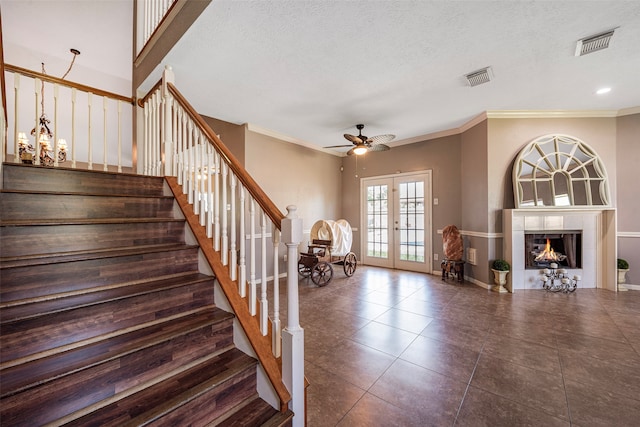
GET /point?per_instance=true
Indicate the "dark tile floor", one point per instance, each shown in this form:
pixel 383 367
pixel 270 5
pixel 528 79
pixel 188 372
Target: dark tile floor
pixel 394 348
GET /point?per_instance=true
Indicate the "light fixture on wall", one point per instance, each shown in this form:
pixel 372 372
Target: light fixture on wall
pixel 43 134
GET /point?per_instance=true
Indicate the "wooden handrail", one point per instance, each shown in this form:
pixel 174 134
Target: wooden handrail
pixel 145 98
pixel 67 83
pixel 269 208
pixel 261 345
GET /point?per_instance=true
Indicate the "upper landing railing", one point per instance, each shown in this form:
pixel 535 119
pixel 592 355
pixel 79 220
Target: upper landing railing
pixel 55 122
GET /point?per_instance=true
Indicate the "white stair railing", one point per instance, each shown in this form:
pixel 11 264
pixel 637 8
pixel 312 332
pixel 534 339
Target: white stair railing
pixel 229 204
pixel 55 122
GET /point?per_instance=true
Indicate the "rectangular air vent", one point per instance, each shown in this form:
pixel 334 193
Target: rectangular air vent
pixel 594 43
pixel 479 77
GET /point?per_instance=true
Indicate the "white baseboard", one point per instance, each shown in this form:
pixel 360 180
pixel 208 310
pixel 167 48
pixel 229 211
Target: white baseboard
pixel 632 287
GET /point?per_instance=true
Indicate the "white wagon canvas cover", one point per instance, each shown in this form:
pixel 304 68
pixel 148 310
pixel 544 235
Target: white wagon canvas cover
pixel 338 232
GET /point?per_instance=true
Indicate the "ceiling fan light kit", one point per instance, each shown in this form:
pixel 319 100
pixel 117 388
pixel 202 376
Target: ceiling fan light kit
pixel 364 143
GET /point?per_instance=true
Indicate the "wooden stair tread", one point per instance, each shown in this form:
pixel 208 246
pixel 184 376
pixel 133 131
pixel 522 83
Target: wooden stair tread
pixel 35 307
pixel 84 221
pixel 36 192
pixel 37 337
pixel 160 399
pixel 40 259
pixel 36 372
pixel 256 412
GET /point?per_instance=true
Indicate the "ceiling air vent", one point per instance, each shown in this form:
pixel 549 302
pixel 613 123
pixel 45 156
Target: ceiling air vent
pixel 478 77
pixel 594 43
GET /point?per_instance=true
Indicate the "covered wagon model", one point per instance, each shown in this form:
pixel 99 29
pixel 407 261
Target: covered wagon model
pixel 330 244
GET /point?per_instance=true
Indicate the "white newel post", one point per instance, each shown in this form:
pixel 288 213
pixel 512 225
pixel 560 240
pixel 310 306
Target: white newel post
pixel 167 77
pixel 293 334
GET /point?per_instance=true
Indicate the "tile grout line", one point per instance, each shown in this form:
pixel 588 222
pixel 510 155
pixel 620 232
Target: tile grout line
pixel 466 390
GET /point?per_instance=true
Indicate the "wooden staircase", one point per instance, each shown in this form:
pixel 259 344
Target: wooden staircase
pixel 105 319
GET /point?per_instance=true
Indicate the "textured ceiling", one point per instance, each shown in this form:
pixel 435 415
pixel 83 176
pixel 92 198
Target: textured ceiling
pixel 312 70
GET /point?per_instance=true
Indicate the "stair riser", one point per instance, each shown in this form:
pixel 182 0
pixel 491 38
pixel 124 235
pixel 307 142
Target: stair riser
pixel 24 338
pixel 60 399
pixel 50 239
pixel 25 206
pixel 29 178
pixel 34 281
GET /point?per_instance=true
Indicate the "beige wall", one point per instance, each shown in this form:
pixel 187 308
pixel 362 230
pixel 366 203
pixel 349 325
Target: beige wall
pixel 441 156
pixel 475 190
pixel 294 175
pixel 628 192
pixel 232 136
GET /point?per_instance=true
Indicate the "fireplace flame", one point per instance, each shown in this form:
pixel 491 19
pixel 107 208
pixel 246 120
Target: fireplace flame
pixel 548 254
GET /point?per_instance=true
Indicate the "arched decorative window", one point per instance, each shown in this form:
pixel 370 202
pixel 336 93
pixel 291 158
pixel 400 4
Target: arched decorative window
pixel 557 171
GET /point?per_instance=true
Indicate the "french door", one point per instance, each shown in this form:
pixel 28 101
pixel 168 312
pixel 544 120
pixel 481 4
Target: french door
pixel 396 221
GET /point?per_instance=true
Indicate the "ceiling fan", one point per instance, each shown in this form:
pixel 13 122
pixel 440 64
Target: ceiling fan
pixel 364 143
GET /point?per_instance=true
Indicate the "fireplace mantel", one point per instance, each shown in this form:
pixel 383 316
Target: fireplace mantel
pixel 598 227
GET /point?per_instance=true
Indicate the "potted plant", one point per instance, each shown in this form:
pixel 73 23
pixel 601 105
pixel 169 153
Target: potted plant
pixel 500 270
pixel 623 267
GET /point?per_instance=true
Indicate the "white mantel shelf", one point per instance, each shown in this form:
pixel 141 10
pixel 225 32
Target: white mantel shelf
pixel 598 227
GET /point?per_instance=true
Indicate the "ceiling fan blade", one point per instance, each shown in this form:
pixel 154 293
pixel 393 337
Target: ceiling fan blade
pixel 380 139
pixel 379 147
pixel 353 138
pixel 339 146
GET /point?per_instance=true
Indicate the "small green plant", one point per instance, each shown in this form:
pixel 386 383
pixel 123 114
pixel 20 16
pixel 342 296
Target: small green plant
pixel 623 264
pixel 501 265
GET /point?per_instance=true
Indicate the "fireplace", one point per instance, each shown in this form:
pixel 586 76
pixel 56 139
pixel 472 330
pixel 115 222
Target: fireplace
pixel 563 248
pixel 592 231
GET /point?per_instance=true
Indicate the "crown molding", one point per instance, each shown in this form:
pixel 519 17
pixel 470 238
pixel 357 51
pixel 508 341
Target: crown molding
pixel 550 114
pixel 490 114
pixel 281 136
pixel 629 111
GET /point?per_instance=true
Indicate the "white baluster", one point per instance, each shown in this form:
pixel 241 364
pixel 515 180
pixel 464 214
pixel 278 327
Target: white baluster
pixel 55 125
pixel 224 251
pixel 184 157
pixel 264 304
pixel 191 162
pixel 242 279
pixel 175 131
pixel 210 172
pixel 178 141
pixel 204 172
pixel 276 333
pixel 73 128
pixel 252 256
pixel 16 110
pixel 198 172
pixel 233 264
pixel 145 141
pixel 104 112
pixel 216 203
pixel 119 136
pixel 90 160
pixel 36 161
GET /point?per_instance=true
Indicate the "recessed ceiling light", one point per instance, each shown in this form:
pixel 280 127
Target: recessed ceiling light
pixel 603 90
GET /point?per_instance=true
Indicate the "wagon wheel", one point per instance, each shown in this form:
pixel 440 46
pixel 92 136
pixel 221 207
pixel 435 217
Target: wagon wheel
pixel 322 273
pixel 304 270
pixel 349 264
